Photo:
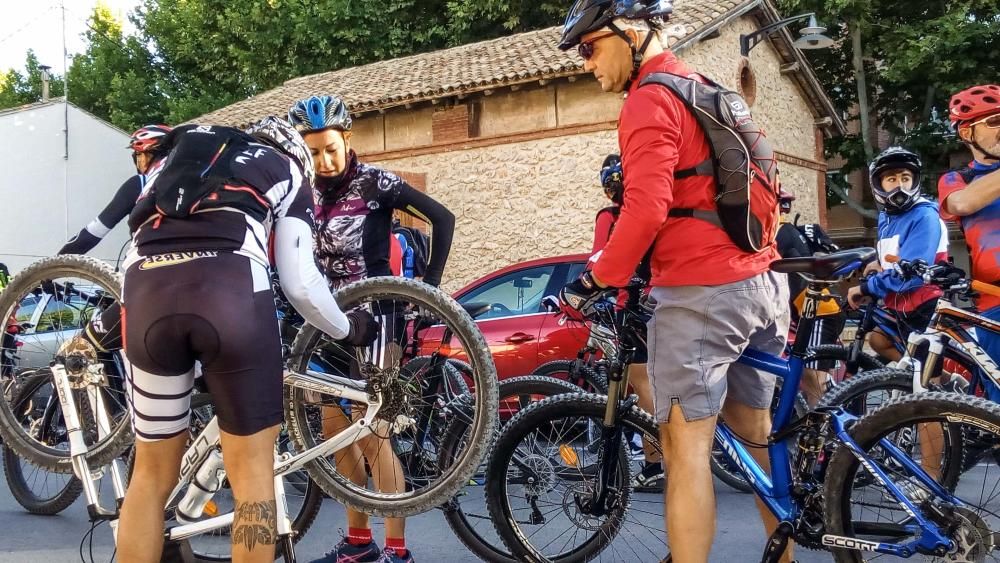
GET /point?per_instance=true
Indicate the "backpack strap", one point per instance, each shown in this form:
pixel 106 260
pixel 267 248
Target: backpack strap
pixel 704 214
pixel 703 168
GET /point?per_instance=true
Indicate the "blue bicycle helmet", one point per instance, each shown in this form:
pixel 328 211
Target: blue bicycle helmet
pixel 320 112
pixel 612 179
pixel 590 15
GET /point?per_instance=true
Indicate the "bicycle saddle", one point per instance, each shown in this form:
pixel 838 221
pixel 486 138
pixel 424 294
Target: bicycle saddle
pixel 827 266
pixel 476 309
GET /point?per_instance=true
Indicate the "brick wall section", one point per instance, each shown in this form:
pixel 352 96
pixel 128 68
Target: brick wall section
pixel 516 201
pixel 419 181
pixel 451 124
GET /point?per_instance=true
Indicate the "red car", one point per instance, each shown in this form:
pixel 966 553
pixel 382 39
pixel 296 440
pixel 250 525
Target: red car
pixel 521 334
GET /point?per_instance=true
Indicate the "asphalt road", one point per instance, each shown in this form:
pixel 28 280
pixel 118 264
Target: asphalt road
pixel 26 538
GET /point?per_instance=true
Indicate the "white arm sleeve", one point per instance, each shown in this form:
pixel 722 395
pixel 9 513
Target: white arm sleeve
pixel 301 280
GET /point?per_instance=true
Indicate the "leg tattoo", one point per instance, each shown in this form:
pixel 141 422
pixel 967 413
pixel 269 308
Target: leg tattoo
pixel 255 523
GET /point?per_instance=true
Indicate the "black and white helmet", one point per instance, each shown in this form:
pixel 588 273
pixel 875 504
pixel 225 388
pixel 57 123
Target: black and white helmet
pixel 895 158
pixel 279 134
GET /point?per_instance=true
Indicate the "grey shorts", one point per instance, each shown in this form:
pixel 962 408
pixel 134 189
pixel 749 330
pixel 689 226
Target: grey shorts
pixel 698 332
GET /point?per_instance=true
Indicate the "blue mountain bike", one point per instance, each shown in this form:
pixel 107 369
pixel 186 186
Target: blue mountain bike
pixel 861 488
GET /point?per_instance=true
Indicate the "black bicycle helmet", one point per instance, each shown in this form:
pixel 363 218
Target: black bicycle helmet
pixel 895 158
pixel 590 15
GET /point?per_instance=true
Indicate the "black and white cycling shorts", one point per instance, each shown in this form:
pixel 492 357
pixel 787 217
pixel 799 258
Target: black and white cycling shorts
pixel 213 307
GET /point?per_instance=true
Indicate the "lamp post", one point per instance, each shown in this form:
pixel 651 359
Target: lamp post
pixel 812 35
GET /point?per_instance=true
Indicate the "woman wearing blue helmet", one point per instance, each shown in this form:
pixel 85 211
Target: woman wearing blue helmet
pixel 354 217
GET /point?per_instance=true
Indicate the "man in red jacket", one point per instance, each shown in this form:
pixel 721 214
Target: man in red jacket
pixel 712 298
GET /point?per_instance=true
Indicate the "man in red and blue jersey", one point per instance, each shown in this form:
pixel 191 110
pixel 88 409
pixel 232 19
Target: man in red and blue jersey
pixel 971 196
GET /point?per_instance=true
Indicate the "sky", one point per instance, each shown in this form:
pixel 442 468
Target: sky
pixel 37 24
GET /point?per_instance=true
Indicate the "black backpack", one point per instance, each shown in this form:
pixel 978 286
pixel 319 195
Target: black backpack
pixel 196 169
pixel 741 161
pixel 418 241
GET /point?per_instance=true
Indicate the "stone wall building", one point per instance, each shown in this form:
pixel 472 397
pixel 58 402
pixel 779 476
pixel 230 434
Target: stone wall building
pixel 510 133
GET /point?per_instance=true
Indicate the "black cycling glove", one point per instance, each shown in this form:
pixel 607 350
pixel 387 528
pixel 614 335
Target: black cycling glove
pixel 581 293
pixel 364 328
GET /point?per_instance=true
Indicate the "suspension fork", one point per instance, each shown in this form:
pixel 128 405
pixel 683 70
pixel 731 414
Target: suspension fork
pixel 599 503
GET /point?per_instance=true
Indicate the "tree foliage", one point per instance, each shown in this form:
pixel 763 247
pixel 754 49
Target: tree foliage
pixel 18 89
pixel 916 55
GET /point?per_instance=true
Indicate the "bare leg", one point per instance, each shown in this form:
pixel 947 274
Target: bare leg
pixel 140 528
pixel 883 346
pixel 755 425
pixel 690 493
pixel 638 378
pixel 813 385
pixel 249 464
pixel 348 460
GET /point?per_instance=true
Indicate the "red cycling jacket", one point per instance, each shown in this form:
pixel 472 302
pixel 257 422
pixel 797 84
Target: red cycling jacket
pixel 657 135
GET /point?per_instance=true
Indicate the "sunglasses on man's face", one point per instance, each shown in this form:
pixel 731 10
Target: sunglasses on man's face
pixel 586 48
pixel 993 122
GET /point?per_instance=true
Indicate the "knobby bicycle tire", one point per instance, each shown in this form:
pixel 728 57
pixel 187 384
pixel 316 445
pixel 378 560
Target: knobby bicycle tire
pixel 52 459
pixel 904 410
pixel 453 513
pixel 484 420
pixel 14 472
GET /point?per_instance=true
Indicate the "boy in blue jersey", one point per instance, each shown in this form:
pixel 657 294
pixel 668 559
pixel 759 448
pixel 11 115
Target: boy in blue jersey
pixel 909 228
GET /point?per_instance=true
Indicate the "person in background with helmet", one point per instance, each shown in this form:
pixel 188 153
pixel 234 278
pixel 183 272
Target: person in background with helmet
pixel 651 475
pixel 971 196
pixel 806 240
pixel 354 214
pixel 145 145
pixel 696 333
pixel 910 229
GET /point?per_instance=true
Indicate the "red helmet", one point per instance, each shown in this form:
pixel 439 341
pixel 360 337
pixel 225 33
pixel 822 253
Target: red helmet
pixel 974 103
pixel 147 138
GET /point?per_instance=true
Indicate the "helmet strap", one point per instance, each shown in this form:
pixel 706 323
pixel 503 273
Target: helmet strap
pixel 637 53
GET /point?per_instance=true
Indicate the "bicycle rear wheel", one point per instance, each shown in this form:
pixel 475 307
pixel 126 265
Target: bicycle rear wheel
pixel 70 291
pixel 542 471
pixel 929 429
pixel 404 462
pixel 466 513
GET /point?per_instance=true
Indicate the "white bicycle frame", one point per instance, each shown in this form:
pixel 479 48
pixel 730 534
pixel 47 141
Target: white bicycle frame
pixel 937 340
pixel 208 441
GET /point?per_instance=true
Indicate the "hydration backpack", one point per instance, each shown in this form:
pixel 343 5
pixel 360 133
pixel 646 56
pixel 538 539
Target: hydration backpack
pixel 417 242
pixel 741 161
pixel 198 168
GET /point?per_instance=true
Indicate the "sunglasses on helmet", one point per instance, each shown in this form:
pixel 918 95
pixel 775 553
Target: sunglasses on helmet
pixel 586 48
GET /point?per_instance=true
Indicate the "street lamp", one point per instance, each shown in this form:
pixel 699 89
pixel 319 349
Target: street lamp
pixel 812 35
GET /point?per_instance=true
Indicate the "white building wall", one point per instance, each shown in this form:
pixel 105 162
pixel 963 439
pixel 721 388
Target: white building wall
pixel 44 197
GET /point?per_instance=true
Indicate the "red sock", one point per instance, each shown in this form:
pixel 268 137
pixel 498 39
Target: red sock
pixel 398 544
pixel 359 536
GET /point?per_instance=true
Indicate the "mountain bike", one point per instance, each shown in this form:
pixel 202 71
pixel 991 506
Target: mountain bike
pixel 836 482
pixel 388 400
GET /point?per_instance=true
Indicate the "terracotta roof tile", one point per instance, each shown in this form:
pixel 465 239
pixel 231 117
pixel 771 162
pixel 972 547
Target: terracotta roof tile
pixel 514 59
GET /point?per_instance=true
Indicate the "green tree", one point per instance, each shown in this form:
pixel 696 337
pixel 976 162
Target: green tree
pixel 18 89
pixel 116 77
pixel 903 61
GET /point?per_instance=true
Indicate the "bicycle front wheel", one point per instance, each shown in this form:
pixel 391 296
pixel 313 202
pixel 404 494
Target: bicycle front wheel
pixel 540 480
pixel 37 490
pixel 48 303
pixel 422 325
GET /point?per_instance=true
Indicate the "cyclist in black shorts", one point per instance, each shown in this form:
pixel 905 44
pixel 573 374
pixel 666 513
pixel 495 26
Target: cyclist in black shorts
pixel 806 240
pixel 197 287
